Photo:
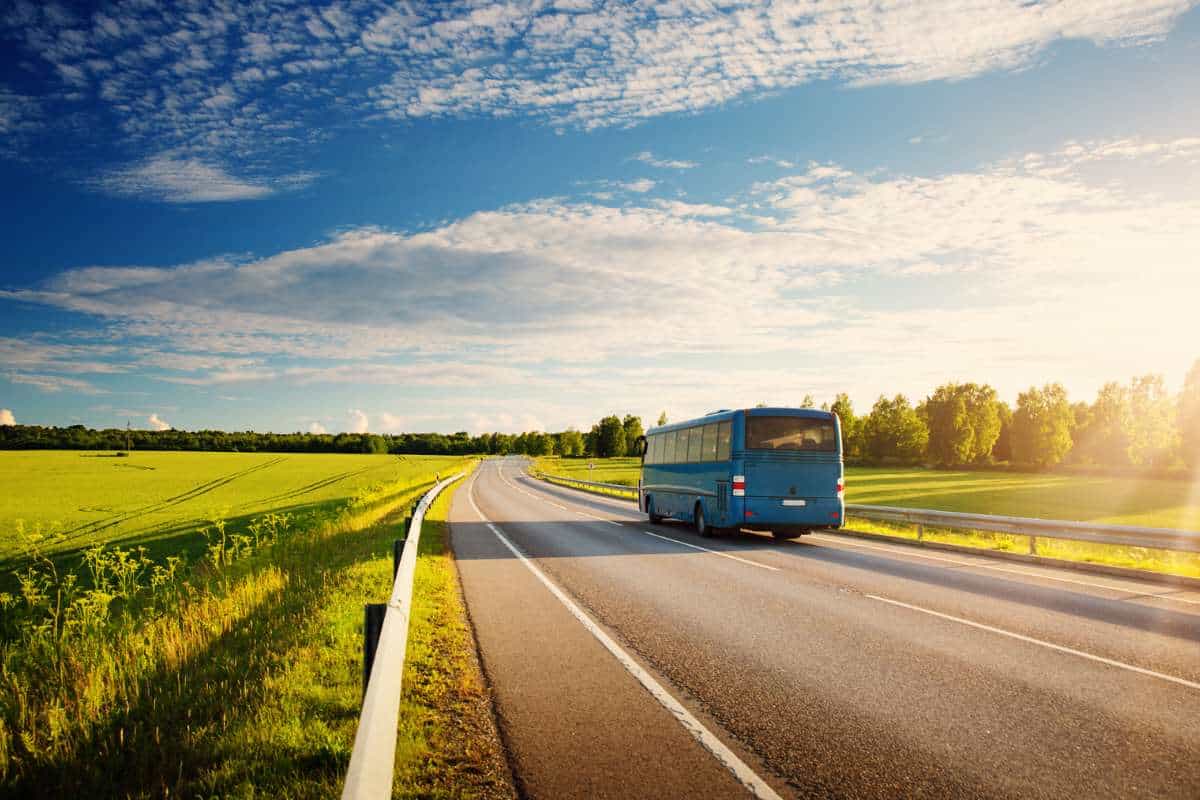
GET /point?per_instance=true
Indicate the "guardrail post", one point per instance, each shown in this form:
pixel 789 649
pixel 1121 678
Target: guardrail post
pixel 920 531
pixel 373 614
pixel 1033 545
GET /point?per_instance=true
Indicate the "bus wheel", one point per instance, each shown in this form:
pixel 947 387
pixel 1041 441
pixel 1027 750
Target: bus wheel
pixel 702 526
pixel 654 518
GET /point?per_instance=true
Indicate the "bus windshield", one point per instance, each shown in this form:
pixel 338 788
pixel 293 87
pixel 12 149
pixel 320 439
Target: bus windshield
pixel 790 433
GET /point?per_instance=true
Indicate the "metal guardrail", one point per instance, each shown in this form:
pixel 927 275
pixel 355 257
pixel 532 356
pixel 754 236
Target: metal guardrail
pixel 373 760
pixel 612 487
pixel 1033 527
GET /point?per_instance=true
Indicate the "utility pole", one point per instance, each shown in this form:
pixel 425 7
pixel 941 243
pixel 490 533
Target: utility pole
pixel 128 438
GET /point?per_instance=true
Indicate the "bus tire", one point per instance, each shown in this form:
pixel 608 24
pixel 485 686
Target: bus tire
pixel 654 518
pixel 702 526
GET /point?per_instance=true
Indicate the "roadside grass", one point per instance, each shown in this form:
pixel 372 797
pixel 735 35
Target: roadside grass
pixel 1148 502
pixel 606 470
pixel 238 676
pixel 1143 558
pixel 448 745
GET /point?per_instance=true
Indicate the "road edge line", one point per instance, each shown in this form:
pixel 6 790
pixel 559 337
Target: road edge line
pixel 726 757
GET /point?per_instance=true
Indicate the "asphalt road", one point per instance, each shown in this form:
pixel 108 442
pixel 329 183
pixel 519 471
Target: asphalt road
pixel 821 667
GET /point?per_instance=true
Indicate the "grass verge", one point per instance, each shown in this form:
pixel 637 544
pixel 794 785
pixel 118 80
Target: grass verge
pixel 448 744
pixel 244 680
pixel 1148 502
pixel 1168 562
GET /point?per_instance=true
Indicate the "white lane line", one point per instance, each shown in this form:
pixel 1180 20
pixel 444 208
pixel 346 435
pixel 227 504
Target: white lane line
pixel 1060 648
pixel 714 552
pixel 1013 570
pixel 666 538
pixel 728 759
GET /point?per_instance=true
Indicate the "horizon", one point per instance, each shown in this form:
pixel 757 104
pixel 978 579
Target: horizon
pixel 509 218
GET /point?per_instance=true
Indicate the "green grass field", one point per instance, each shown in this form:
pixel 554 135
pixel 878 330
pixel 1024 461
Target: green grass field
pixel 1124 501
pixel 175 662
pixel 1148 502
pixel 160 499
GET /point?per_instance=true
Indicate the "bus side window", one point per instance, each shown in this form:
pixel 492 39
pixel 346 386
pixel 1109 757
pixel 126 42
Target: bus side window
pixel 655 448
pixel 723 435
pixel 695 442
pixel 669 448
pixel 710 443
pixel 681 445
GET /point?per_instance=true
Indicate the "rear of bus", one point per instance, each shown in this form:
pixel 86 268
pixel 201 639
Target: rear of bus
pixel 791 470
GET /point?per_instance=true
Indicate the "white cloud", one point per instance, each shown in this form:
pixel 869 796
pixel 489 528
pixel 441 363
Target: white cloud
pixel 251 78
pixel 6 417
pixel 55 383
pixel 779 162
pixel 316 427
pixel 641 185
pixel 390 423
pixel 157 423
pixel 44 354
pixel 358 421
pixel 1009 273
pixel 623 62
pixel 646 157
pixel 175 179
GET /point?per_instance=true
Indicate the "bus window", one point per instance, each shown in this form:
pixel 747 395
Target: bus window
pixel 790 433
pixel 695 442
pixel 669 448
pixel 723 436
pixel 682 439
pixel 656 449
pixel 709 452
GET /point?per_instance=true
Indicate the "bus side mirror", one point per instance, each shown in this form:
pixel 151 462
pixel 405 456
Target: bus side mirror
pixel 640 447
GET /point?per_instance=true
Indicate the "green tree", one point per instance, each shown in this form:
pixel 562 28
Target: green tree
pixel 1102 435
pixel 662 419
pixel 1189 417
pixel 808 402
pixel 1002 449
pixel 538 444
pixel 610 437
pixel 632 426
pixel 1041 427
pixel 964 423
pixel 851 426
pixel 570 443
pixel 894 431
pixel 1152 434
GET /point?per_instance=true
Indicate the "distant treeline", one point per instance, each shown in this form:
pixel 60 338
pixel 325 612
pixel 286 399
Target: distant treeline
pixel 611 436
pixel 1138 425
pixel 78 437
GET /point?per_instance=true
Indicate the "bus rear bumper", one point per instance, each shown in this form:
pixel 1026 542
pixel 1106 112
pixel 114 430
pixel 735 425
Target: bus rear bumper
pixel 770 514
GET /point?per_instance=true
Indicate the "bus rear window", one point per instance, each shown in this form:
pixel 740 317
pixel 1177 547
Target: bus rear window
pixel 790 433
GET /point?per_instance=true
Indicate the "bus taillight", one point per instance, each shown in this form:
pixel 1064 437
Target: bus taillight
pixel 739 485
pixel 841 487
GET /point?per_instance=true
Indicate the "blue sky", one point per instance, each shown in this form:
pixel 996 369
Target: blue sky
pixel 469 215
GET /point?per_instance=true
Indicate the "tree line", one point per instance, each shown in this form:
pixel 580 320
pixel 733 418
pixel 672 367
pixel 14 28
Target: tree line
pixel 1134 425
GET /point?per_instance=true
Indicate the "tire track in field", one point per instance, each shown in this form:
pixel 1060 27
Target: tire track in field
pixel 161 505
pixel 312 487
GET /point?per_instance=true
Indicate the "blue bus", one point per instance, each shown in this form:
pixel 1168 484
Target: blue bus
pixel 765 469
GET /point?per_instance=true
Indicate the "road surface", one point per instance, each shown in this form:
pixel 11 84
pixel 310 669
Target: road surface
pixel 637 660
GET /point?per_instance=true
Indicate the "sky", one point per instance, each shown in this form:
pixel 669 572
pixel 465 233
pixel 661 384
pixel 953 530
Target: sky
pixel 374 216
